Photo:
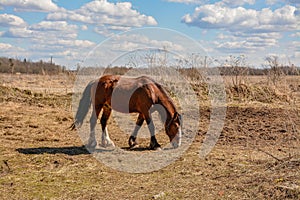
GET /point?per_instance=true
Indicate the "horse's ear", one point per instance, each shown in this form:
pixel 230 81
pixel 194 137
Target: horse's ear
pixel 114 83
pixel 180 117
pixel 176 116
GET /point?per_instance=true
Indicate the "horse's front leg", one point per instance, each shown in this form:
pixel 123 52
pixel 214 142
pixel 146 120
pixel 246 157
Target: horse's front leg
pixel 132 139
pixel 106 141
pixel 153 142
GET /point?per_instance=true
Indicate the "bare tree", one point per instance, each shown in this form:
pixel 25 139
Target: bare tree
pixel 134 60
pixel 237 65
pixel 150 58
pixel 12 65
pixel 163 57
pixel 274 68
pixel 294 70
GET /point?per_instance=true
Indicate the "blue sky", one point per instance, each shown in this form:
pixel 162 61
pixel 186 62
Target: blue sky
pixel 68 30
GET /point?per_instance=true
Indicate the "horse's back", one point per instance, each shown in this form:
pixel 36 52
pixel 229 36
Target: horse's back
pixel 126 94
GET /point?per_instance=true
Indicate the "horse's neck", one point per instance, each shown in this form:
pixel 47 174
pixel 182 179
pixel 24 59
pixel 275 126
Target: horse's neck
pixel 169 107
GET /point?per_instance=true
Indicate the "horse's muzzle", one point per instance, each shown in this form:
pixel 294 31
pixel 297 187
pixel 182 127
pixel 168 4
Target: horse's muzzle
pixel 176 142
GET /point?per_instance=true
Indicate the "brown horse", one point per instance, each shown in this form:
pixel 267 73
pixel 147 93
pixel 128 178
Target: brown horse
pixel 128 95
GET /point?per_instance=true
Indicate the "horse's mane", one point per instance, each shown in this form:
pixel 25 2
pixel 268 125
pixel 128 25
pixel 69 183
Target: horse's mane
pixel 163 98
pixel 165 95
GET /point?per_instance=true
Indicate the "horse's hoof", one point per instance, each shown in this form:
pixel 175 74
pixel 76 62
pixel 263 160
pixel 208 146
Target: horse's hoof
pixel 106 145
pixel 91 144
pixel 133 145
pixel 136 145
pixel 155 147
pixel 132 142
pixel 111 145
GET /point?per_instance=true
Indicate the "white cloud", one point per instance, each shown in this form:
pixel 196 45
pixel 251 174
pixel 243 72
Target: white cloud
pixel 54 26
pixel 119 47
pixel 5 46
pixel 296 56
pixel 222 36
pixel 293 2
pixel 8 20
pixel 35 34
pixel 245 30
pixel 255 46
pixel 215 16
pixel 18 32
pixel 51 36
pixel 63 50
pixel 84 27
pixel 245 43
pixel 75 43
pixel 108 31
pixel 274 35
pixel 237 2
pixel 297 34
pixel 223 2
pixel 56 35
pixel 68 54
pixel 235 47
pixel 271 2
pixel 30 5
pixel 188 1
pixel 44 30
pixel 296 45
pixel 131 42
pixel 106 15
pixel 9 50
pixel 289 2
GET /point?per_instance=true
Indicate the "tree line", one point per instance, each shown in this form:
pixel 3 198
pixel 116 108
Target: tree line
pixel 10 65
pixel 234 68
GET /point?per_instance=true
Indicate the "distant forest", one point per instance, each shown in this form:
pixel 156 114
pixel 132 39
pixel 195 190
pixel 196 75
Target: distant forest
pixel 10 65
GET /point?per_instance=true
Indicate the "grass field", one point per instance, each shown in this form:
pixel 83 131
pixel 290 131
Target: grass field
pixel 256 157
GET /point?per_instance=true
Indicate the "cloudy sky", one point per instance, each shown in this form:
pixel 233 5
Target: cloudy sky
pixel 68 30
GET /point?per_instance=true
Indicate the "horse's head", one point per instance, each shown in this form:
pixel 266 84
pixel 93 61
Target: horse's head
pixel 173 130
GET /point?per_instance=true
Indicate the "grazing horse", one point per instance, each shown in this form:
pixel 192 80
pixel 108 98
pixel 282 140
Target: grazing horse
pixel 140 95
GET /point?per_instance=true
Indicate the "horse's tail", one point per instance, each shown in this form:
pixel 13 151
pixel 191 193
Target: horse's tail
pixel 84 106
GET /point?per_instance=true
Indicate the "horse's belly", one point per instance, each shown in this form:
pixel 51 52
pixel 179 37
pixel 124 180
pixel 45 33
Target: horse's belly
pixel 120 102
pixel 121 108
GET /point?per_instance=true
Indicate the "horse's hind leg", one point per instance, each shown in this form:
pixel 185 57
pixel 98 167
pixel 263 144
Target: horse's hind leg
pixel 132 139
pixel 106 141
pixel 92 143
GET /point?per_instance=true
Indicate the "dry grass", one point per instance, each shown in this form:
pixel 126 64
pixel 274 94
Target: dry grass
pixel 256 157
pixel 48 84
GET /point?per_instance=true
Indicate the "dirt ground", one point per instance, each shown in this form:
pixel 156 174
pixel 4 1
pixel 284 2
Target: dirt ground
pixel 256 157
